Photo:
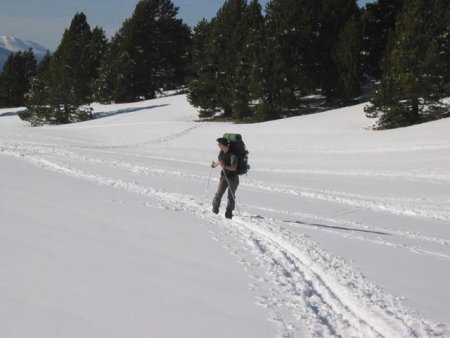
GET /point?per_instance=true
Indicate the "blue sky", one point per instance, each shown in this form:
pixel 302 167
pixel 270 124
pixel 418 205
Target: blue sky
pixel 44 21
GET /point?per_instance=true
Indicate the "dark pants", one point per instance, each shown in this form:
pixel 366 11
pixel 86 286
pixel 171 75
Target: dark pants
pixel 223 185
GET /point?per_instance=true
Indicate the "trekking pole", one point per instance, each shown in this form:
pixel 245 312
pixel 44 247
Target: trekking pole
pixel 231 191
pixel 207 187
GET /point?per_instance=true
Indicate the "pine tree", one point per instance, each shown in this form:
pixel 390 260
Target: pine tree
pixel 335 16
pixel 302 37
pixel 15 78
pixel 62 92
pixel 378 19
pixel 72 73
pixel 39 111
pixel 348 64
pixel 272 85
pixel 148 54
pixel 227 41
pixel 247 88
pixel 224 59
pixel 202 87
pixel 254 67
pixel 254 49
pixel 445 48
pixel 437 58
pixel 107 82
pixel 97 49
pixel 292 28
pixel 414 69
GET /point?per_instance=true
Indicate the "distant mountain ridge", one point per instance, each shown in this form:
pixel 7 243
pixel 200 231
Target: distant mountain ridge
pixel 10 45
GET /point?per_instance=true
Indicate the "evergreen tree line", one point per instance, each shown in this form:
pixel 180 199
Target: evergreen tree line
pixel 250 66
pixel 18 69
pixel 298 56
pixel 147 55
pixel 416 67
pixel 254 67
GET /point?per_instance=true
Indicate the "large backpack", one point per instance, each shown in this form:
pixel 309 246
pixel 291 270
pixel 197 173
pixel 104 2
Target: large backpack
pixel 238 148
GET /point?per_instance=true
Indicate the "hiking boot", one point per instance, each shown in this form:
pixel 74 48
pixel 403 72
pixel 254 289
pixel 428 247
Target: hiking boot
pixel 229 214
pixel 215 210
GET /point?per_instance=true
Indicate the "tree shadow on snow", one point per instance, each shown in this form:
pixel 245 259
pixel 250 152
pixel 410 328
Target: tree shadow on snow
pixel 100 115
pixel 8 114
pixel 339 228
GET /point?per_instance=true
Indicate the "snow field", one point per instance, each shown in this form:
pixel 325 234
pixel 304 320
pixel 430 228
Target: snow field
pixel 333 217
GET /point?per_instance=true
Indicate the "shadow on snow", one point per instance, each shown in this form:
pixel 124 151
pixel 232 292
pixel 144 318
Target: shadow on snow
pixel 100 115
pixel 338 228
pixel 8 114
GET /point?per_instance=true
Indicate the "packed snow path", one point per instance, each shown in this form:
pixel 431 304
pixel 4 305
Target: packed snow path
pixel 295 191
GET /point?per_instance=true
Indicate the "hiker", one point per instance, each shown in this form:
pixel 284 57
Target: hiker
pixel 228 176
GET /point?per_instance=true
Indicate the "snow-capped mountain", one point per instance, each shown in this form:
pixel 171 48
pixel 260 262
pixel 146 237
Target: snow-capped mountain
pixel 10 45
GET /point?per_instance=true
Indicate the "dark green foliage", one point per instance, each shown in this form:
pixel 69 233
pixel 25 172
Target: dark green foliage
pixel 202 87
pixel 244 66
pixel 335 17
pixel 415 76
pixel 63 88
pixel 290 63
pixel 378 19
pixel 253 68
pixel 245 90
pixel 39 110
pixel 271 85
pixel 250 67
pixel 445 56
pixel 438 54
pixel 304 54
pixel 348 63
pixel 98 47
pixel 226 44
pixel 72 71
pixel 225 61
pixel 147 55
pixel 106 83
pixel 15 78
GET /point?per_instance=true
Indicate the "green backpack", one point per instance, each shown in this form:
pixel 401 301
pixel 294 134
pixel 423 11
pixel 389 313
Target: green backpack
pixel 238 148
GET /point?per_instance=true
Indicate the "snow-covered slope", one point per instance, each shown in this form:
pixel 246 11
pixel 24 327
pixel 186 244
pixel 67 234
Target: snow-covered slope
pixel 106 229
pixel 10 45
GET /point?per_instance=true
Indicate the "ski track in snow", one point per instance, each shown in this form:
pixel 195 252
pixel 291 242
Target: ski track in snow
pixel 433 209
pixel 331 150
pixel 397 206
pixel 312 194
pixel 321 291
pixel 329 196
pixel 441 176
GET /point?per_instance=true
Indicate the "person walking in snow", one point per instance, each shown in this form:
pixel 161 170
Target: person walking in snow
pixel 228 177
